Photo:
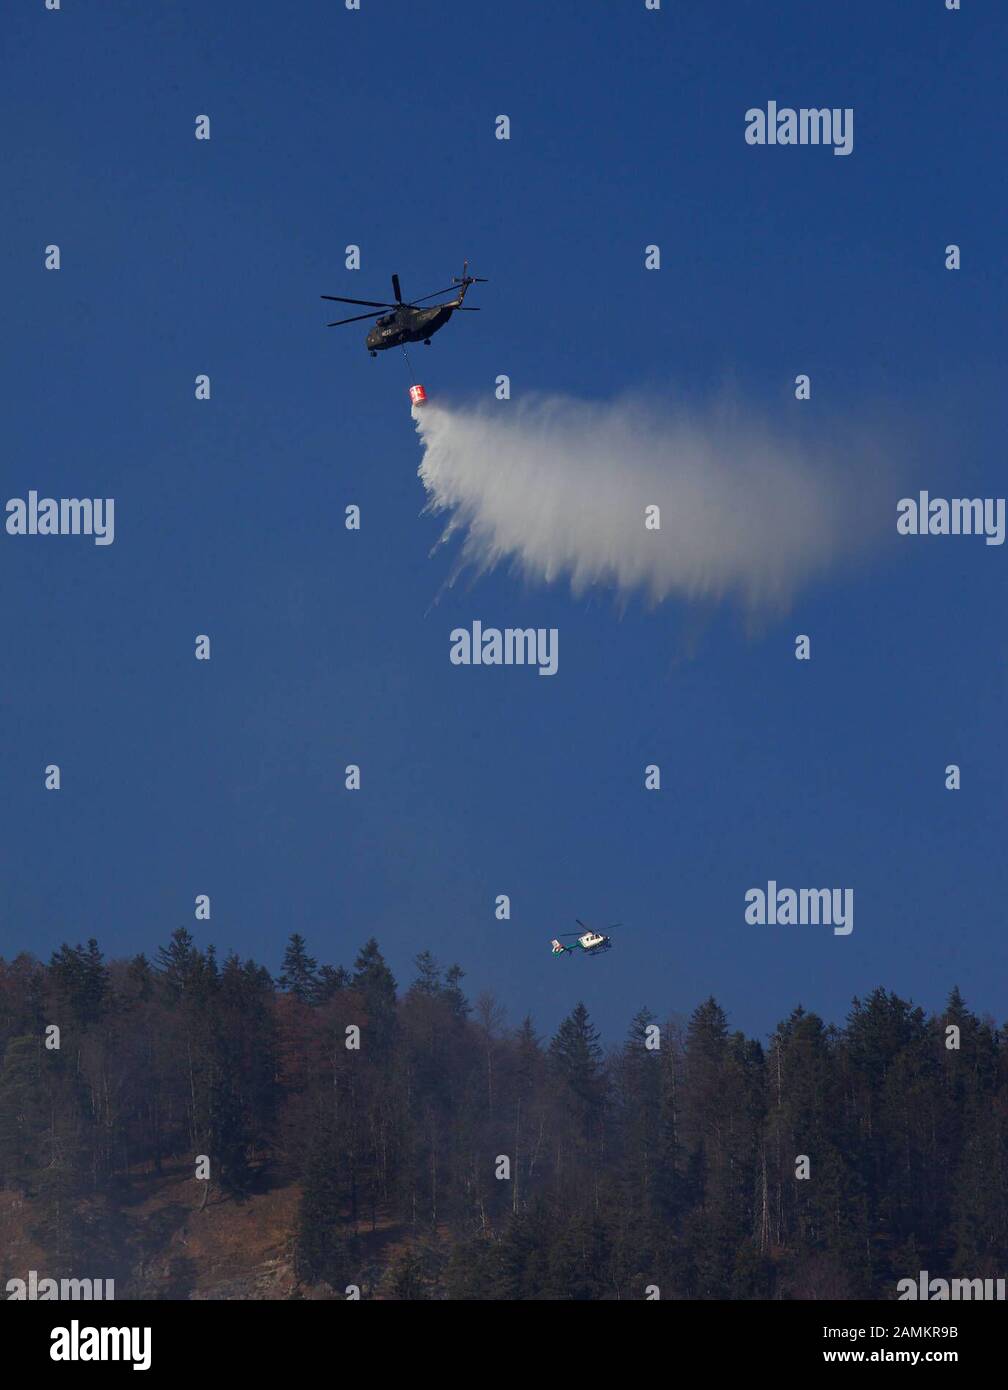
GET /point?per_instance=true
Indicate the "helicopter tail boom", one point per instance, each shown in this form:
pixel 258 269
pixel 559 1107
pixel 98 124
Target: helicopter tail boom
pixel 464 281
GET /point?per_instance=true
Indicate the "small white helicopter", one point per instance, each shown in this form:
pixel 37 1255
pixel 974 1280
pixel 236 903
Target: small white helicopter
pixel 593 943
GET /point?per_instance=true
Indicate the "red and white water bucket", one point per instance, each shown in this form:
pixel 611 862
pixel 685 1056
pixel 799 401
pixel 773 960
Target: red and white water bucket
pixel 417 395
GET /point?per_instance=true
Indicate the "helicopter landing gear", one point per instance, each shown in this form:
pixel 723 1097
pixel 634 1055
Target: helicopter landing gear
pixel 426 342
pixel 373 353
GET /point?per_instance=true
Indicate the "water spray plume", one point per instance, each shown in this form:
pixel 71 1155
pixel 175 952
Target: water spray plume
pixel 564 489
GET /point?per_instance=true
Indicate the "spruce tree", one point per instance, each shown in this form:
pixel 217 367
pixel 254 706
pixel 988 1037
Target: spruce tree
pixel 298 976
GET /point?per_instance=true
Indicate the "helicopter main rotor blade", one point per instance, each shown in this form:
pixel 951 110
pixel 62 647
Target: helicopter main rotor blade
pixel 371 303
pixel 396 290
pixel 449 289
pixel 356 319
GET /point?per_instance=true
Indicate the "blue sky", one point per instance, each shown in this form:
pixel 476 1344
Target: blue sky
pixel 376 128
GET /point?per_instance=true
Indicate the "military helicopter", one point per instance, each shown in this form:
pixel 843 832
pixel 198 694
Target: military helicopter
pixel 593 943
pixel 408 323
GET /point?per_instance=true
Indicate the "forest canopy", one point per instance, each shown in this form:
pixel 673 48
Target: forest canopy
pixel 829 1162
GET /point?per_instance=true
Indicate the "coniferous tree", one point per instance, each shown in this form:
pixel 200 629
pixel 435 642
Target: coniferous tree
pixel 374 980
pixel 577 1061
pixel 322 1248
pixel 331 981
pixel 299 973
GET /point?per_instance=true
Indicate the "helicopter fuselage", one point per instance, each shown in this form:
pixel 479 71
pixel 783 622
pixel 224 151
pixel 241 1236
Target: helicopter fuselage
pixel 406 322
pixel 407 326
pixel 592 943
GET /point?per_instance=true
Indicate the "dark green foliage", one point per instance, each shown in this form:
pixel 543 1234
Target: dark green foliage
pixel 322 1248
pixel 332 980
pixel 299 975
pixel 577 1068
pixel 79 980
pixel 372 977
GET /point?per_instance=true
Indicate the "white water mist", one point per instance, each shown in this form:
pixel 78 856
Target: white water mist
pixel 560 488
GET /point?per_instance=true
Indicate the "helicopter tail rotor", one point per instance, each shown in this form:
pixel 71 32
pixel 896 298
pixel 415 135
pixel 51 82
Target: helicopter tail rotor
pixel 464 281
